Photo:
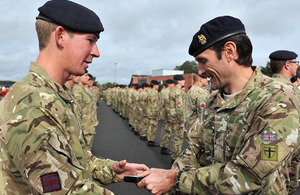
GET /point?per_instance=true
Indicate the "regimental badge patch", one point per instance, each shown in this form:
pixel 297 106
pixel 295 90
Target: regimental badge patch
pixel 202 39
pixel 269 152
pixel 178 102
pixel 269 137
pixel 50 182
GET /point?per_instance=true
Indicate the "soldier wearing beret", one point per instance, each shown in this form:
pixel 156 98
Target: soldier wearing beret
pixel 177 115
pixel 143 111
pixel 42 145
pixel 284 67
pixel 165 117
pixel 249 137
pixel 196 99
pixel 153 112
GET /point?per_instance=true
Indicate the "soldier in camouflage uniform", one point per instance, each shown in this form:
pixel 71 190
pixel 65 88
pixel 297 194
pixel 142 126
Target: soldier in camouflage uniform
pixel 137 110
pixel 153 112
pixel 143 112
pixel 130 104
pixel 196 99
pixel 83 97
pixel 165 117
pixel 41 140
pixel 284 66
pixel 249 136
pixel 177 115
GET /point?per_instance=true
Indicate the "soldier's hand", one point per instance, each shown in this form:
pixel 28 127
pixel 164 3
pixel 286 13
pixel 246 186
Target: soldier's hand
pixel 122 168
pixel 158 181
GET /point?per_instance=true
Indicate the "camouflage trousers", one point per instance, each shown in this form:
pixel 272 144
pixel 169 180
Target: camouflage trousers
pixel 189 123
pixel 130 116
pixel 177 133
pixel 137 122
pixel 165 134
pixel 89 137
pixel 143 126
pixel 152 129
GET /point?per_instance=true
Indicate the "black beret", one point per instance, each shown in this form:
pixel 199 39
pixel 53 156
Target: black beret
pixel 138 86
pixel 155 82
pixel 145 85
pixel 178 77
pixel 203 76
pixel 71 15
pixel 214 31
pixel 298 74
pixel 170 81
pixel 283 55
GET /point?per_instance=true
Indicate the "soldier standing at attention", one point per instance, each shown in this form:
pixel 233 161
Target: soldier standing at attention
pixel 41 141
pixel 196 99
pixel 165 118
pixel 143 111
pixel 153 112
pixel 83 97
pixel 250 130
pixel 177 115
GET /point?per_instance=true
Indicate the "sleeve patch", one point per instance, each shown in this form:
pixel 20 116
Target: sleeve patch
pixel 178 102
pixel 51 182
pixel 269 152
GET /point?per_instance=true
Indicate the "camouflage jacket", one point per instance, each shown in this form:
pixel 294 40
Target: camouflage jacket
pixel 245 145
pixel 196 98
pixel 165 104
pixel 153 106
pixel 177 105
pixel 143 102
pixel 42 145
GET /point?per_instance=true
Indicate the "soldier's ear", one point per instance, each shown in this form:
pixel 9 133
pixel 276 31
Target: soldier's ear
pixel 60 36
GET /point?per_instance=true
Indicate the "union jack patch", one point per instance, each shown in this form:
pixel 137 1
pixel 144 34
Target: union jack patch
pixel 269 137
pixel 51 182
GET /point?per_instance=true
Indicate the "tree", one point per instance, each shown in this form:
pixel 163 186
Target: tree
pixel 267 70
pixel 188 67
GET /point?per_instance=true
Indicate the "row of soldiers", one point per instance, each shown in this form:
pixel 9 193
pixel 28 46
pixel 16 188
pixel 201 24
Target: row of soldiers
pixel 86 94
pixel 144 106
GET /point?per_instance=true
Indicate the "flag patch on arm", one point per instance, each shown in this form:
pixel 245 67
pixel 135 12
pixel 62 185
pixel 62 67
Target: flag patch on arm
pixel 51 182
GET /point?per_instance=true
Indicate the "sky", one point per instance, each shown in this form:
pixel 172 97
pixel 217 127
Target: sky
pixel 144 35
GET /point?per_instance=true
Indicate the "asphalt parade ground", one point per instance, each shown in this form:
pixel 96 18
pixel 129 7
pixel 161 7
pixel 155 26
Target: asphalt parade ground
pixel 114 139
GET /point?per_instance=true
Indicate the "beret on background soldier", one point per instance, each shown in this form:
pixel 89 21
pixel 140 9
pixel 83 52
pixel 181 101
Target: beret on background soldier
pixel 210 33
pixel 155 82
pixel 283 55
pixel 178 77
pixel 145 85
pixel 62 13
pixel 170 81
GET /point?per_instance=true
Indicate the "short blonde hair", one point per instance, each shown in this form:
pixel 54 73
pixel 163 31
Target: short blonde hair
pixel 44 29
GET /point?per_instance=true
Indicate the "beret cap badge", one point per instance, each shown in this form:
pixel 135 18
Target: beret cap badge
pixel 202 39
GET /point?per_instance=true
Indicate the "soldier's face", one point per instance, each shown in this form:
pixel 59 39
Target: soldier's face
pixel 212 67
pixel 80 49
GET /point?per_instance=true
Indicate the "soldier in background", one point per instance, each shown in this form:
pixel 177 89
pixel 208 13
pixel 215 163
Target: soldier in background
pixel 153 112
pixel 296 80
pixel 41 140
pixel 177 115
pixel 143 111
pixel 82 95
pixel 138 110
pixel 130 104
pixel 165 117
pixel 196 98
pixel 250 130
pixel 284 66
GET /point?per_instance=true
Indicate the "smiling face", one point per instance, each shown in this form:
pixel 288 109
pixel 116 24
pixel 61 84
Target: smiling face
pixel 217 70
pixel 80 49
